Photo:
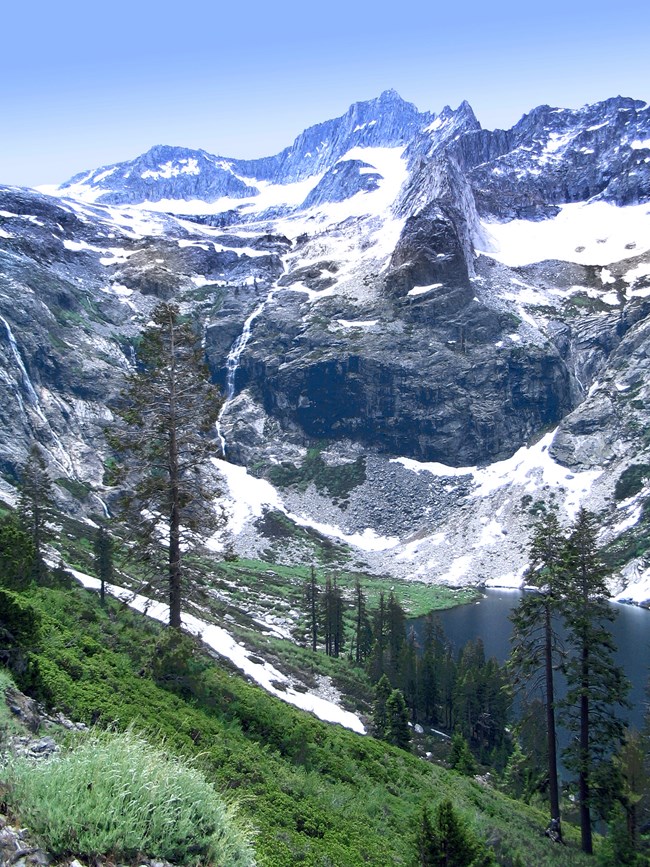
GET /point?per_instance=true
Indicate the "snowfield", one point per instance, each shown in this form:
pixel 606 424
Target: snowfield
pixel 592 233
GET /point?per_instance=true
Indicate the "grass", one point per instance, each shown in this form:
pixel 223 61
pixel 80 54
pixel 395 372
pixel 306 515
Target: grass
pixel 114 792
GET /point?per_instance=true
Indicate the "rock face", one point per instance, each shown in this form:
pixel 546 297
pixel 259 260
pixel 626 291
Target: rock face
pixel 354 313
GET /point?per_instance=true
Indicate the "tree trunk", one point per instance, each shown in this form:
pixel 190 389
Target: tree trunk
pixel 583 779
pixel 554 794
pixel 174 496
pixel 314 615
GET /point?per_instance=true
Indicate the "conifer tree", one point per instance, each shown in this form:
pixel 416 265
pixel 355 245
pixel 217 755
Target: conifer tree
pixel 430 670
pixel 377 663
pixel 379 709
pixel 103 549
pixel 460 757
pixel 396 627
pixel 407 674
pixel 397 714
pixel 362 627
pixel 36 505
pixel 446 841
pixel 536 648
pixel 595 683
pixel 312 593
pixel 17 554
pixel 332 613
pixel 164 437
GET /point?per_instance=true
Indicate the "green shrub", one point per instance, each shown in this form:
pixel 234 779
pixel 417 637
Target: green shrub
pixel 631 481
pixel 115 794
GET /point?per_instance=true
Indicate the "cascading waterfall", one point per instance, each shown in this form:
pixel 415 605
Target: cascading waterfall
pixel 27 383
pixel 232 361
pixel 34 400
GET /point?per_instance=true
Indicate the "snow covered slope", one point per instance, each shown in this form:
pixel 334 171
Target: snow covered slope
pixel 427 331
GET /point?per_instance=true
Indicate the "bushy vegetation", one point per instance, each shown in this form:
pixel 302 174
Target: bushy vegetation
pixel 338 480
pixel 315 794
pixel 631 481
pixel 115 793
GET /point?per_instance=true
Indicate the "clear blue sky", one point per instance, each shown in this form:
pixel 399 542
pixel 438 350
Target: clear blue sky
pixel 84 84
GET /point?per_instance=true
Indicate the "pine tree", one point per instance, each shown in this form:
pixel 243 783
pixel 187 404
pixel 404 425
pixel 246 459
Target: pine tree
pixel 397 713
pixel 312 593
pixel 396 627
pixel 407 672
pixel 103 549
pixel 362 627
pixel 36 505
pixel 446 841
pixel 430 670
pixel 164 437
pixel 379 709
pixel 460 757
pixel 332 616
pixel 595 683
pixel 377 662
pixel 17 555
pixel 536 647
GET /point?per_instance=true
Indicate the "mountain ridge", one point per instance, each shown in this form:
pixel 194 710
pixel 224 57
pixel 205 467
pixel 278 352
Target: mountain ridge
pixel 444 298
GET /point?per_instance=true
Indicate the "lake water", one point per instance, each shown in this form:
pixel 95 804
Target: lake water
pixel 488 619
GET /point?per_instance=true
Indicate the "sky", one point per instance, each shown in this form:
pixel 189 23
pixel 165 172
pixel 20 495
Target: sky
pixel 85 85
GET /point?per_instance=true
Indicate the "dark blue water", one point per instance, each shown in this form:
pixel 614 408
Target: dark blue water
pixel 488 619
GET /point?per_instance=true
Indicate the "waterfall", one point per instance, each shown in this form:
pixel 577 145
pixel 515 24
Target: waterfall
pixel 232 362
pixel 65 463
pixel 27 383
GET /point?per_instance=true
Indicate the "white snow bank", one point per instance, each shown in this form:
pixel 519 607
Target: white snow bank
pixel 249 495
pixel 531 467
pixel 264 674
pixel 368 540
pixel 593 233
pixel 508 581
pixel 638 585
pixel 422 290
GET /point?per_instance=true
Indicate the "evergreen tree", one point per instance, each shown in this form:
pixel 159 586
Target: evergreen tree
pixel 595 683
pixel 396 628
pixel 446 841
pixel 103 549
pixel 312 593
pixel 397 714
pixel 379 709
pixel 617 849
pixel 407 674
pixel 467 694
pixel 362 627
pixel 536 648
pixel 17 554
pixel 332 615
pixel 36 505
pixel 448 676
pixel 377 664
pixel 429 671
pixel 164 437
pixel 635 776
pixel 460 757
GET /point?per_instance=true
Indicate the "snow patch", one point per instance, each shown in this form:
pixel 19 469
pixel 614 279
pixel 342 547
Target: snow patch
pixel 422 290
pixel 263 673
pixel 592 233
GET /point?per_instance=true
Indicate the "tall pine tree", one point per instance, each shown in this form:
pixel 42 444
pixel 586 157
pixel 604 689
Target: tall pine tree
pixel 596 684
pixel 103 550
pixel 36 505
pixel 164 436
pixel 536 648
